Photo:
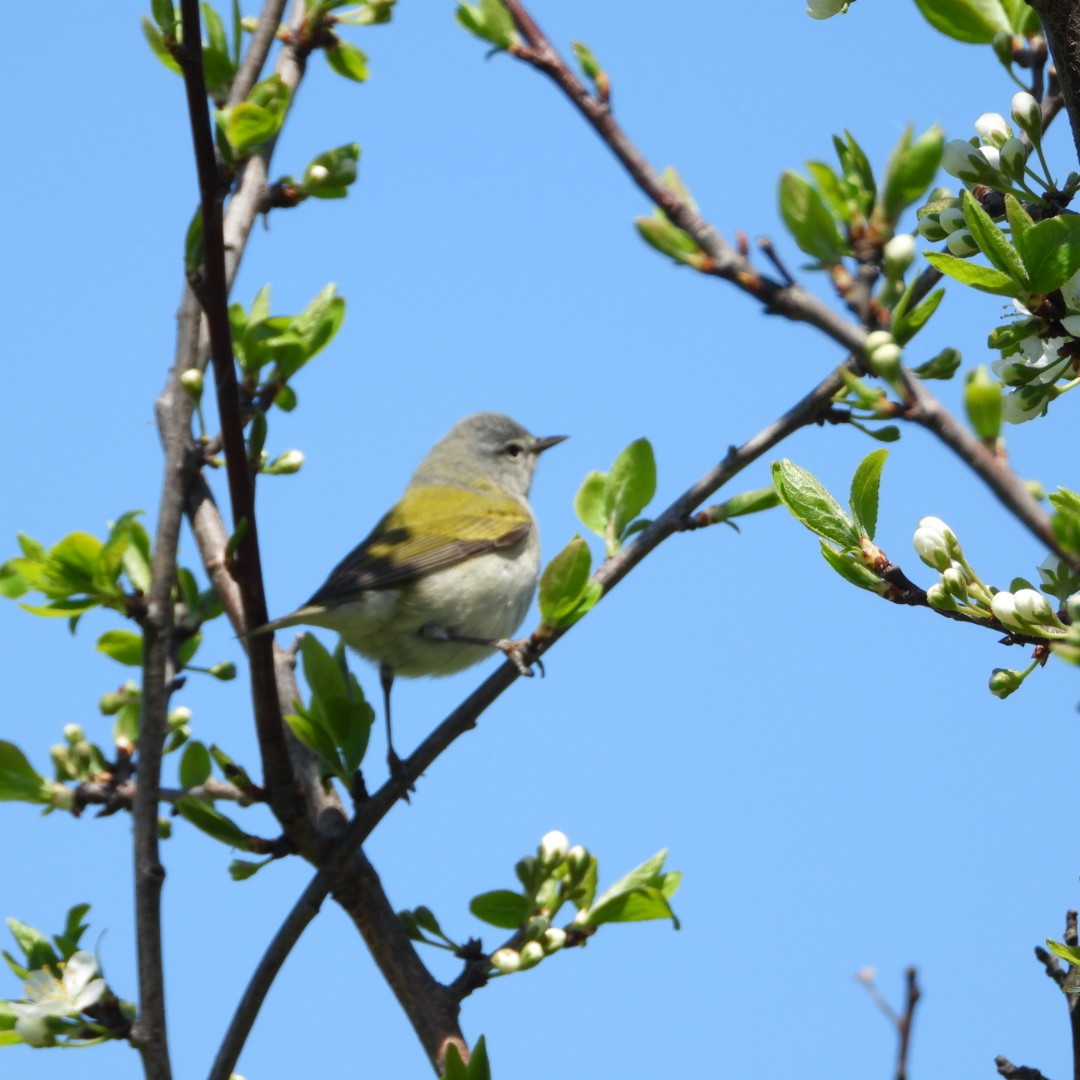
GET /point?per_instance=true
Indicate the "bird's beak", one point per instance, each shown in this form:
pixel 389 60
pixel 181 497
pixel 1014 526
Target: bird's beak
pixel 548 441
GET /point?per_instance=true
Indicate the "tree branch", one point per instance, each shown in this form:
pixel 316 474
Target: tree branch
pixel 1061 25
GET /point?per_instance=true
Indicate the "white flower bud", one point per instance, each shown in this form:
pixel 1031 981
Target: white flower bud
pixel 1003 605
pixel 284 464
pixel 875 339
pixel 1033 607
pixel 1072 608
pixel 955 580
pixel 554 939
pixel 962 160
pixel 318 173
pixel 962 244
pixel 1027 115
pixel 993 129
pixel 506 960
pixel 532 952
pixel 1013 158
pixel 937 596
pixel 899 254
pixel 931 546
pixel 930 228
pixel 1023 404
pixel 952 219
pixel 553 848
pixel 885 360
pixel 992 156
pixel 192 381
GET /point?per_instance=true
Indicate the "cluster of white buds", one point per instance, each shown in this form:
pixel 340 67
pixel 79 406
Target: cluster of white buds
pixel 882 354
pixel 996 157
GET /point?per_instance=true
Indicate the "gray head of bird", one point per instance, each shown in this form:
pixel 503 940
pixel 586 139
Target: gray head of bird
pixel 486 452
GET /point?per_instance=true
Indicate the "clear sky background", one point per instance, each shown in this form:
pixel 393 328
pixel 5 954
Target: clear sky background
pixel 828 771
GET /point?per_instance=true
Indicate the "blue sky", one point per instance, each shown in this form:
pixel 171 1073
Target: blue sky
pixel 828 771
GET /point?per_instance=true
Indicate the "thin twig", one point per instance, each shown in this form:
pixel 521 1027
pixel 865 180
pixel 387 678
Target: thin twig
pixel 790 300
pixel 277 767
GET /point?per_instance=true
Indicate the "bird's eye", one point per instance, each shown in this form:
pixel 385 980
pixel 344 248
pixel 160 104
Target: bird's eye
pixel 513 449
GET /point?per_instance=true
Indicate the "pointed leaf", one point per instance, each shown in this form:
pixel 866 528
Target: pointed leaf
pixel 864 491
pixel 501 907
pixel 810 502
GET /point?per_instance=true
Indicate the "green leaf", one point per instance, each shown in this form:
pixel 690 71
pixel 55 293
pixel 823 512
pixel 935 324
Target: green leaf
pixel 194 765
pixel 347 60
pixel 566 590
pixel 973 21
pixel 590 66
pixel 851 569
pixel 193 246
pixel 668 239
pixel 35 945
pixel 864 491
pixel 1050 250
pixel 213 822
pixel 249 125
pixel 812 504
pixel 489 20
pixel 156 41
pixel 978 277
pixel 74 928
pixel 164 14
pixel 631 484
pixel 809 221
pixel 242 869
pixel 992 242
pixel 19 781
pixel 857 171
pixel 906 324
pixel 318 741
pixel 592 503
pixel 479 1066
pixel 320 669
pixel 1069 953
pixel 454 1068
pixel 501 907
pixel 640 895
pixel 910 170
pixel 124 646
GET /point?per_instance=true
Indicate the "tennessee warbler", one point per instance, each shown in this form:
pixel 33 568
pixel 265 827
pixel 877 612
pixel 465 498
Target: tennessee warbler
pixel 446 577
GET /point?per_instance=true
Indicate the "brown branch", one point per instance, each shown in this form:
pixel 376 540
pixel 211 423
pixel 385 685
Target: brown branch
pixel 1061 25
pixel 790 300
pixel 122 796
pixel 213 296
pixel 257 51
pixel 904 1023
pixel 386 938
pixel 926 411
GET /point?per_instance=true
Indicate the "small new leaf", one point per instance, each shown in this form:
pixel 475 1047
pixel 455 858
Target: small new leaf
pixel 501 907
pixel 811 503
pixel 864 491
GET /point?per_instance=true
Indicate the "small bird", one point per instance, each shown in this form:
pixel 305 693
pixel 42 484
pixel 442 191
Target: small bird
pixel 446 577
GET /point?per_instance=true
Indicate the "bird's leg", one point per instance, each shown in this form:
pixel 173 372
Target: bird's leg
pixel 386 679
pixel 517 652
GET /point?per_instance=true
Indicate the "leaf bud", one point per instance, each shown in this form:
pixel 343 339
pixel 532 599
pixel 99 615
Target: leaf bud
pixel 224 671
pixel 982 400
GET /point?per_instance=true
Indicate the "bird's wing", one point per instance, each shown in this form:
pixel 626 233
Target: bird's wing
pixel 465 524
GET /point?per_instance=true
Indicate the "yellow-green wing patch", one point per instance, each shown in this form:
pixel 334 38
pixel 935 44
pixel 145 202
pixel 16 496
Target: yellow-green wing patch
pixel 430 528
